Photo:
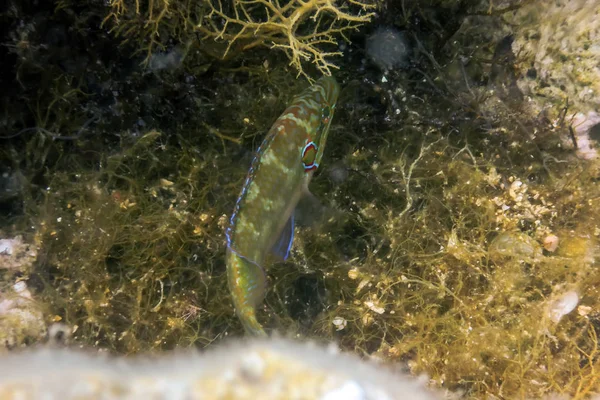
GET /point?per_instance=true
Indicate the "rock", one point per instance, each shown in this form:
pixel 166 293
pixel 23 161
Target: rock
pixel 273 369
pixel 21 320
pixel 16 255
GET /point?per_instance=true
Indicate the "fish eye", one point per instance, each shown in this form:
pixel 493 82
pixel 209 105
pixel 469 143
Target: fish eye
pixel 309 156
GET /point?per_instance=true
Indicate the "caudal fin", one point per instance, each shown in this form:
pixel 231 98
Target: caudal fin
pixel 247 283
pixel 251 324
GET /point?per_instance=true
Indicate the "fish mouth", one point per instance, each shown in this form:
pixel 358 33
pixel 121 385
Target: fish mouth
pixel 330 89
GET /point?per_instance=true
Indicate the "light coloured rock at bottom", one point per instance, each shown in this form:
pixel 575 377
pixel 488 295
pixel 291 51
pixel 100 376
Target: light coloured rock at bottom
pixel 273 369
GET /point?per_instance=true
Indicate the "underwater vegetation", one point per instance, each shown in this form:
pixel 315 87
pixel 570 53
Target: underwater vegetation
pixel 306 31
pixel 458 231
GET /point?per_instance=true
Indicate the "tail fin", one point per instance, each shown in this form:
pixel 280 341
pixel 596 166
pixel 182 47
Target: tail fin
pixel 247 283
pixel 250 323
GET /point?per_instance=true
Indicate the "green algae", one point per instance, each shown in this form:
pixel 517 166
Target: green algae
pixel 129 262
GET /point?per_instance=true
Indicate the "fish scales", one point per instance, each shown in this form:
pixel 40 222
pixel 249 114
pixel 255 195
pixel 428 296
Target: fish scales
pixel 279 175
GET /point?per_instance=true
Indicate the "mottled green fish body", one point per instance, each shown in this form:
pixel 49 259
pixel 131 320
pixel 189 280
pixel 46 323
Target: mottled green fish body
pixel 263 219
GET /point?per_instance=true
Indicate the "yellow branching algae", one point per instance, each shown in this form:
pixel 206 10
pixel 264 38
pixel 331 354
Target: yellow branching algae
pixel 306 31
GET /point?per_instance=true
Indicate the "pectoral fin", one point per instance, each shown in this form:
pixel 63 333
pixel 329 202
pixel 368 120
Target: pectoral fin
pixel 281 248
pixel 309 210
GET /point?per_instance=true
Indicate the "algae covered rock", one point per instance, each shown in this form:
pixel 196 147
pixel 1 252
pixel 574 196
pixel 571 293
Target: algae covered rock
pixel 557 43
pixel 21 320
pixel 15 254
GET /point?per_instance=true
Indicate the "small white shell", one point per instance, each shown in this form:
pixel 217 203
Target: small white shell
pixel 551 243
pixel 563 305
pixel 375 308
pixel 339 323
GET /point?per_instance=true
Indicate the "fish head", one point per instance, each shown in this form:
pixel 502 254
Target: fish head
pixel 320 99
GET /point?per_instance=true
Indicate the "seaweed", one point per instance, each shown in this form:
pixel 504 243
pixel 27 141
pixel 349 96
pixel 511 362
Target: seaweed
pixel 302 30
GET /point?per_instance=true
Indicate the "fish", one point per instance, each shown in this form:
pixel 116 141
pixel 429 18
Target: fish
pixel 262 221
